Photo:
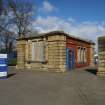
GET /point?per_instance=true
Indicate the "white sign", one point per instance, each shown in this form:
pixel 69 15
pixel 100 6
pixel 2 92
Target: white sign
pixel 3 55
pixel 3 65
pixel 3 74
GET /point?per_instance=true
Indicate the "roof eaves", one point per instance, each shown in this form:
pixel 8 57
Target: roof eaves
pixel 56 33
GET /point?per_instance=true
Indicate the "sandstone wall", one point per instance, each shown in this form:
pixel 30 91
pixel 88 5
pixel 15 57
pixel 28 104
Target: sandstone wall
pixel 54 51
pixel 101 56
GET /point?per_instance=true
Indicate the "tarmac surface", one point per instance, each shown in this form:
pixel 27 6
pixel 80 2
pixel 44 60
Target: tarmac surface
pixel 47 88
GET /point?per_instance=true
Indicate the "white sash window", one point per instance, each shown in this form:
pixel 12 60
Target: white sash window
pixel 79 54
pixel 85 55
pixel 82 55
pixel 38 51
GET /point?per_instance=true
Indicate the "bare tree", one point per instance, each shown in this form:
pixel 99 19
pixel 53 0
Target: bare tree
pixel 19 14
pixel 22 15
pixel 5 34
pixel 1 7
pixel 3 23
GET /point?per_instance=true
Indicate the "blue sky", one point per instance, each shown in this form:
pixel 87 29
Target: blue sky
pixel 82 10
pixel 83 18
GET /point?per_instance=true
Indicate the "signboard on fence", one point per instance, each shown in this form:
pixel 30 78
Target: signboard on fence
pixel 3 66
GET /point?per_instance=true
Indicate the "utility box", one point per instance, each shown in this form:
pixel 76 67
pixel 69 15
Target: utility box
pixel 3 66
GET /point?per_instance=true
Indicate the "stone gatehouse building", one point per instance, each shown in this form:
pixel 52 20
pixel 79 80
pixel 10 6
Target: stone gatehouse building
pixel 54 51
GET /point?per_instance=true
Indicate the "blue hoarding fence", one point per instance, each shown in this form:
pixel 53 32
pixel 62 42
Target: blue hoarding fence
pixel 3 66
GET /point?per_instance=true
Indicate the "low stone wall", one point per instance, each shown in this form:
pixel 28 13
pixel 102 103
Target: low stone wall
pixel 101 56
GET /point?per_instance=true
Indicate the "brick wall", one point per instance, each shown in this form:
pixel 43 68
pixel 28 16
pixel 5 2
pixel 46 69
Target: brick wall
pixel 74 43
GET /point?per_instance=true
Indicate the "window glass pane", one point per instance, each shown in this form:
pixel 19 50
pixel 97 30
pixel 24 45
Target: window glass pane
pixel 38 51
pixel 85 55
pixel 82 55
pixel 33 51
pixel 79 51
pixel 41 52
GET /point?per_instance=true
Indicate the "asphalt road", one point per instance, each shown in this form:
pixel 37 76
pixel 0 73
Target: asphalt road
pixel 46 88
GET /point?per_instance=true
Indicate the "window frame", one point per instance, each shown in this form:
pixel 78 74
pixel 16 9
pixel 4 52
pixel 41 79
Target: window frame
pixel 38 55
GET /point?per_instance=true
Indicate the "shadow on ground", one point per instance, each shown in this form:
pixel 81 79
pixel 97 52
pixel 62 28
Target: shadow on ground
pixel 10 75
pixel 93 71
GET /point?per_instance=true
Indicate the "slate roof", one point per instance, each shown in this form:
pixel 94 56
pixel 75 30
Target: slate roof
pixel 56 33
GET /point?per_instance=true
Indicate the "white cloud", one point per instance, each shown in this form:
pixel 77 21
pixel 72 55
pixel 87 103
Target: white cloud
pixel 71 19
pixel 52 23
pixel 87 29
pixel 47 7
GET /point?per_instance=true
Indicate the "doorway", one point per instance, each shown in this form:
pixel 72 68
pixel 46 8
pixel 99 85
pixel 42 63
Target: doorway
pixel 70 58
